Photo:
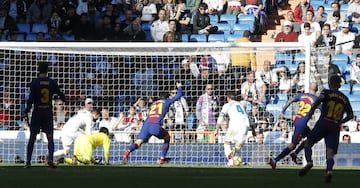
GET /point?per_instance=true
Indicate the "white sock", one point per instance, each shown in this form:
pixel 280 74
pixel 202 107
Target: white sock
pixel 227 150
pixel 59 154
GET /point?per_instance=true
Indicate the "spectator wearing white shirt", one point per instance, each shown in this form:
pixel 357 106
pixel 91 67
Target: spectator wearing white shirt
pixel 344 40
pixel 354 73
pixel 314 26
pixel 306 35
pixel 214 6
pixel 107 120
pixel 270 79
pixel 354 11
pixel 159 27
pixel 148 10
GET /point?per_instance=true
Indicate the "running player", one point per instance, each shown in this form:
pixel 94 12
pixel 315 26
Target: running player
pixel 305 101
pixel 153 125
pixel 238 126
pixel 334 105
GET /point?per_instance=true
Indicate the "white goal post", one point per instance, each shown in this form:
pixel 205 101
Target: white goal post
pixel 117 75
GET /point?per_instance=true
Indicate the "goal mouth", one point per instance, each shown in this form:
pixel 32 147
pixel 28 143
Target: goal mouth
pixel 117 75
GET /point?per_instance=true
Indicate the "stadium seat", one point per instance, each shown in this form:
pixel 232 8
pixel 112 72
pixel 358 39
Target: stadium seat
pixel 282 58
pixel 31 37
pixel 214 19
pixel 198 38
pixel 216 38
pixel 241 27
pixel 146 27
pixel 339 58
pixel 356 162
pixel 292 68
pixel 341 162
pixel 355 105
pixel 229 18
pixel 246 18
pixel 236 35
pixel 19 37
pixel 283 96
pixel 37 27
pixel 355 28
pixel 273 107
pixel 356 88
pixel 23 27
pixel 68 37
pixel 299 57
pixel 354 97
pixel 185 38
pixel 224 27
pixel 345 88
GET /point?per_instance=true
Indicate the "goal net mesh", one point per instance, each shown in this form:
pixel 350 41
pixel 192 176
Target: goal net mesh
pixel 121 77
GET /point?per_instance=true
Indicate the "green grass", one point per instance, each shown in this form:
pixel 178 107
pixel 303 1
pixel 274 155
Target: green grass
pixel 15 176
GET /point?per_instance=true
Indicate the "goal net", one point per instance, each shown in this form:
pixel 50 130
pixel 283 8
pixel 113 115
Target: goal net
pixel 124 78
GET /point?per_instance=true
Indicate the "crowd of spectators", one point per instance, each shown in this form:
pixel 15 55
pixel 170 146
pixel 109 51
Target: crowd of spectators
pixel 115 20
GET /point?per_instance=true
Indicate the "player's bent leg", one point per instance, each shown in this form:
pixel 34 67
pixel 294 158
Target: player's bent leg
pixel 131 148
pixel 165 149
pixel 306 169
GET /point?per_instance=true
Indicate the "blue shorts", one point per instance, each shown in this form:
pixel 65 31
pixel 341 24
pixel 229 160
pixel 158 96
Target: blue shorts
pixel 149 130
pixel 328 130
pixel 301 130
pixel 42 120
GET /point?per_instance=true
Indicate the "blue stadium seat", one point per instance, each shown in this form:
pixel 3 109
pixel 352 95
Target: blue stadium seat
pixel 37 27
pixel 241 27
pixel 341 162
pixel 355 105
pixel 356 88
pixel 282 58
pixel 354 97
pixel 229 18
pixel 246 18
pixel 340 58
pixel 292 68
pixel 236 35
pixel 31 37
pixel 356 162
pixel 214 19
pixel 345 88
pixel 216 38
pixel 23 27
pixel 355 28
pixel 19 37
pixel 185 38
pixel 198 38
pixel 283 96
pixel 224 27
pixel 68 37
pixel 299 57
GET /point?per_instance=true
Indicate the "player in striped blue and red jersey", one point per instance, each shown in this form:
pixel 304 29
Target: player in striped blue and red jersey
pixel 305 101
pixel 42 90
pixel 334 105
pixel 153 125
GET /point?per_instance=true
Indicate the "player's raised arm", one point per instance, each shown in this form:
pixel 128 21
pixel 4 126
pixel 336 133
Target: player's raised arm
pixel 179 92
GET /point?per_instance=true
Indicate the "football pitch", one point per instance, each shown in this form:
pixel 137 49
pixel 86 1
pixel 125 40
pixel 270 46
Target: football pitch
pixel 15 176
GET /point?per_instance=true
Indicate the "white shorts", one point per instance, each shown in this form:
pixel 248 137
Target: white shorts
pixel 236 135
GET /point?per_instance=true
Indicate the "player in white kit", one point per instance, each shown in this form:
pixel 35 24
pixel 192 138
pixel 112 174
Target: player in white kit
pixel 77 125
pixel 237 127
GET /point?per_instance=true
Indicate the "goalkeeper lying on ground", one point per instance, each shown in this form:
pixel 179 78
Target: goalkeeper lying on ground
pixel 85 145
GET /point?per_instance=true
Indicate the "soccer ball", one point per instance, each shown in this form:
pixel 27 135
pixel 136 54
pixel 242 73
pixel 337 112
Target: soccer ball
pixel 237 160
